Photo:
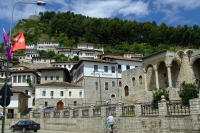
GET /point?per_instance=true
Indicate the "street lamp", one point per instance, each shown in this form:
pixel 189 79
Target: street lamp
pixel 39 3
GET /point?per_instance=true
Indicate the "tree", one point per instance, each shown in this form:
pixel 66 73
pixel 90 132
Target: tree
pixel 75 58
pixel 188 91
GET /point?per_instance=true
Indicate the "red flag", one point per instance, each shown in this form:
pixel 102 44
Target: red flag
pixel 19 42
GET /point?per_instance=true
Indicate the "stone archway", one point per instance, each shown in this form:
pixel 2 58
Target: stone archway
pixel 60 105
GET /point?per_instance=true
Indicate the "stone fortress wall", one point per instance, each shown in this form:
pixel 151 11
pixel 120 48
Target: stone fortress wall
pixel 163 122
pixel 166 70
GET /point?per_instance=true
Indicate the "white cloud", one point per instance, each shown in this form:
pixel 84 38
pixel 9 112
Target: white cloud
pixel 140 9
pixel 186 4
pixel 92 8
pixel 20 11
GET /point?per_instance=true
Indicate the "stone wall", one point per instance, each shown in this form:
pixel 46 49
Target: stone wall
pixel 92 94
pixel 162 123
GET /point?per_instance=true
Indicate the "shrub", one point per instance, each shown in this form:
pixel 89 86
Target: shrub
pixel 157 95
pixel 188 91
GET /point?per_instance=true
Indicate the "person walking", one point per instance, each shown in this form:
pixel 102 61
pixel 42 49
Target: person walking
pixel 111 122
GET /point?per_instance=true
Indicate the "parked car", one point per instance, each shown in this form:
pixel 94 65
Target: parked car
pixel 48 109
pixel 25 125
pixel 1 116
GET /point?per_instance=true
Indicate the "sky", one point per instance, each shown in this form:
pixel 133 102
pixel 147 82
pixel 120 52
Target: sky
pixel 170 12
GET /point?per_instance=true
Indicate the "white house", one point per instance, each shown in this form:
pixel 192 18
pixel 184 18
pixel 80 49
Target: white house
pixel 51 74
pixel 101 79
pixel 59 94
pixel 31 51
pixel 64 64
pixel 47 45
pixel 133 55
pixel 123 63
pixel 19 81
pixel 18 103
pixel 88 53
pixel 43 59
pixel 90 46
pixel 63 50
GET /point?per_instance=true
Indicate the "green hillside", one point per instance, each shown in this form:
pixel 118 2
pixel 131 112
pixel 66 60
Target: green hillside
pixel 115 35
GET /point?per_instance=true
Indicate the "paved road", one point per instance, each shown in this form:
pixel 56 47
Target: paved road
pixel 43 131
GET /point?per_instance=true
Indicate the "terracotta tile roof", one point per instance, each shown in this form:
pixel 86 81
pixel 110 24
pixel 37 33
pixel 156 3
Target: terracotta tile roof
pixel 162 51
pixel 18 66
pixel 63 62
pixel 52 68
pixel 25 71
pixel 121 58
pixel 92 60
pixel 59 84
pixel 44 57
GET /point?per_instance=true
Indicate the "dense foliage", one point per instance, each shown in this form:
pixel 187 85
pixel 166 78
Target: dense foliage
pixel 157 95
pixel 115 35
pixel 188 91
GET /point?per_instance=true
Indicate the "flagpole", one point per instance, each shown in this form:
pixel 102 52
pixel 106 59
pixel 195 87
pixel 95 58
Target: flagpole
pixel 40 3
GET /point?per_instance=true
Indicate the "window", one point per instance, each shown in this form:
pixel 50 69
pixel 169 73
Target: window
pixel 51 93
pixel 45 104
pixel 43 93
pixel 45 77
pixel 1 74
pixel 106 85
pixel 70 93
pixel 113 69
pixel 28 76
pixel 57 77
pixel 113 83
pixel 127 67
pixel 80 94
pixel 105 68
pixel 15 79
pixel 64 66
pixel 51 77
pixel 19 79
pixel 126 91
pixel 133 81
pixel 113 96
pixel 96 84
pixel 75 103
pixel 140 79
pixel 61 93
pixel 120 83
pixel 24 79
pixel 119 68
pixel 95 68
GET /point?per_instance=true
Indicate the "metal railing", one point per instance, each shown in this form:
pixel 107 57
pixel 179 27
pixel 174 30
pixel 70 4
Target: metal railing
pixel 85 112
pixel 178 108
pixel 57 114
pixel 149 109
pixel 128 110
pixel 75 113
pixel 36 114
pixel 111 110
pixel 66 113
pixel 47 114
pixel 96 111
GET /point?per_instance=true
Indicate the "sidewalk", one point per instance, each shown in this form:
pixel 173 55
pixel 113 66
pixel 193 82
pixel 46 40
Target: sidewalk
pixel 47 131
